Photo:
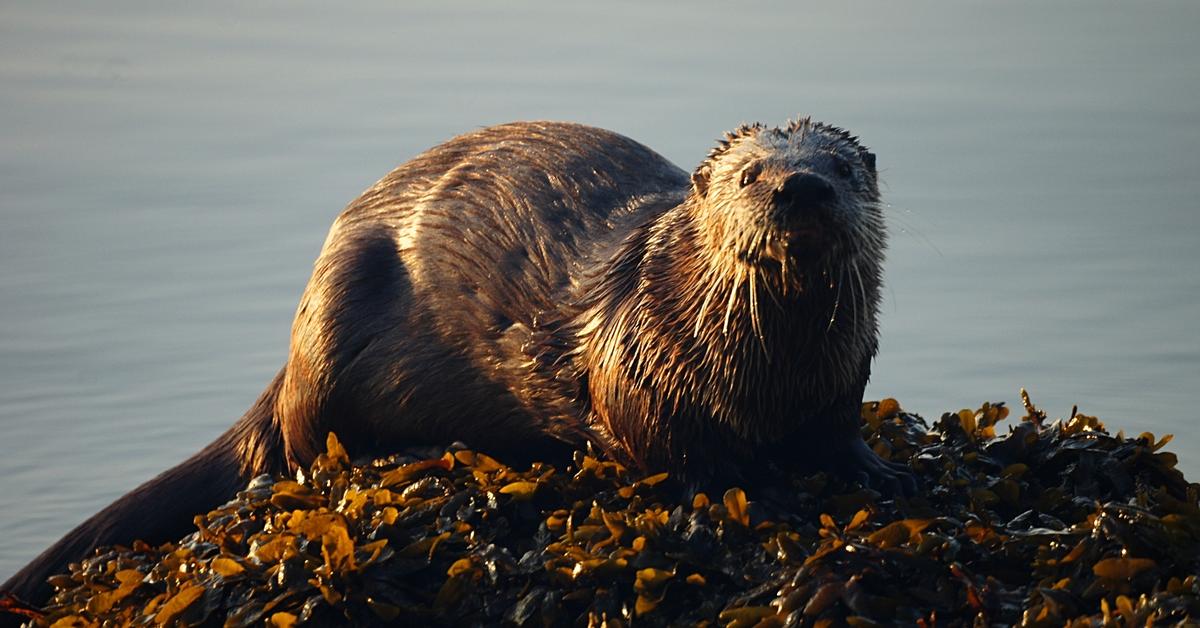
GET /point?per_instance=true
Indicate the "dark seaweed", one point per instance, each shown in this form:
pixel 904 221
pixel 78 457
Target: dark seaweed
pixel 1051 523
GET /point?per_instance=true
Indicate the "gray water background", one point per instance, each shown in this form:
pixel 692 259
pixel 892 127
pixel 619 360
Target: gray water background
pixel 168 172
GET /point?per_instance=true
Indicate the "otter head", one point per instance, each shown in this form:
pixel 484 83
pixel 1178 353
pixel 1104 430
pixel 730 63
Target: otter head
pixel 797 199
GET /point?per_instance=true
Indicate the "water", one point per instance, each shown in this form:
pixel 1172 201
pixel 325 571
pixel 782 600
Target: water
pixel 168 172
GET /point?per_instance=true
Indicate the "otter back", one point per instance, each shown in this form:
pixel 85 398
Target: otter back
pixel 433 310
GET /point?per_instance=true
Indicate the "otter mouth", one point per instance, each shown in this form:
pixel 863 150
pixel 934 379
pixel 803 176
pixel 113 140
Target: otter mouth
pixel 807 236
pixel 798 243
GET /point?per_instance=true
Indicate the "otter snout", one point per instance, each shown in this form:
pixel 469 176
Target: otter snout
pixel 802 211
pixel 802 191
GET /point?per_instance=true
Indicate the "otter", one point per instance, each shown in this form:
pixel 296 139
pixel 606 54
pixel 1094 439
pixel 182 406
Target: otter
pixel 539 285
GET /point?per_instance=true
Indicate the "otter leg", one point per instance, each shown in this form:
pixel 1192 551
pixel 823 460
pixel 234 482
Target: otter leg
pixel 854 459
pixel 851 457
pixel 384 364
pixel 840 450
pixel 355 302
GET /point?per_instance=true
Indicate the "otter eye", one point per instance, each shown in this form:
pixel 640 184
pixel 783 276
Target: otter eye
pixel 750 174
pixel 843 169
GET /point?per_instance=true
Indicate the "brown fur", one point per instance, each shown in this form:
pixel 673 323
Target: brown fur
pixel 542 283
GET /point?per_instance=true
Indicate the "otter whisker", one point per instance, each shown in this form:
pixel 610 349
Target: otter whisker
pixel 733 290
pixel 861 303
pixel 755 323
pixel 753 274
pixel 837 300
pixel 704 305
pixel 771 293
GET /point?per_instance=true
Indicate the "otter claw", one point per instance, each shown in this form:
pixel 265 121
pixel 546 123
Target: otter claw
pixel 861 463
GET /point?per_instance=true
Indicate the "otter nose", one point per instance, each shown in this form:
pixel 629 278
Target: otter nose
pixel 804 190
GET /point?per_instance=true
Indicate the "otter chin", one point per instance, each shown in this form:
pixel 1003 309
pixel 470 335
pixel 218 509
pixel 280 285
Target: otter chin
pixel 536 287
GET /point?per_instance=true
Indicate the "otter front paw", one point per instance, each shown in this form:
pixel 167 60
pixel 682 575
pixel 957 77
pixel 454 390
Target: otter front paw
pixel 856 461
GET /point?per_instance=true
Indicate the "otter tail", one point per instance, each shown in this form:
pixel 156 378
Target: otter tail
pixel 163 508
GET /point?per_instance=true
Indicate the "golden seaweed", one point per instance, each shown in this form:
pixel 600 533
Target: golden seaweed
pixel 1042 523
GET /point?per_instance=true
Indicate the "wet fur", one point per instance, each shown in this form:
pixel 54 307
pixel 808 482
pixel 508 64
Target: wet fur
pixel 540 284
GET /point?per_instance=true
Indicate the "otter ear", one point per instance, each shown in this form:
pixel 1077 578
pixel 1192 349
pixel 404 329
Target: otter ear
pixel 700 180
pixel 869 158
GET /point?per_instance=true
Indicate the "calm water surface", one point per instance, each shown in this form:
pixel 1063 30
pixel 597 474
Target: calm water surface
pixel 168 172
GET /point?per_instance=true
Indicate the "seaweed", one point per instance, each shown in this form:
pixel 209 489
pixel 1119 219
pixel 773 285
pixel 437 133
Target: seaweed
pixel 1050 523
